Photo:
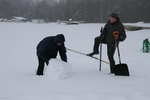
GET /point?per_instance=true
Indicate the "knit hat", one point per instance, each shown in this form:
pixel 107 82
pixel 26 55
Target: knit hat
pixel 114 15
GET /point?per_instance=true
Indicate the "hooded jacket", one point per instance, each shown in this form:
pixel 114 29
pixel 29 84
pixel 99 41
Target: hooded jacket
pixel 48 48
pixel 108 30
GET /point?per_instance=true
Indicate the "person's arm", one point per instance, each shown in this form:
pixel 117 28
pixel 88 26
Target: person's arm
pixel 104 31
pixel 148 42
pixel 62 52
pixel 122 35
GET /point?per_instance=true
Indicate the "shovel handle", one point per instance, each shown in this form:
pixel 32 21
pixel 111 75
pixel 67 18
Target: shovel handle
pixel 119 54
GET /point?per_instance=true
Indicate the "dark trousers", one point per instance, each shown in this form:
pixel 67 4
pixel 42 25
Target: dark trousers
pixel 97 41
pixel 110 51
pixel 40 67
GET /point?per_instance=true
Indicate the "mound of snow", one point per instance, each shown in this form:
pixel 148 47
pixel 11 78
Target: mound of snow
pixel 139 23
pixel 58 70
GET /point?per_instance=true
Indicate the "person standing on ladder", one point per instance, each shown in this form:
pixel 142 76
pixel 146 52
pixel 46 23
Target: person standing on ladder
pixel 113 26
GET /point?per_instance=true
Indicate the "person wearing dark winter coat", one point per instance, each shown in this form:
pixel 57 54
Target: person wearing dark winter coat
pixel 113 26
pixel 48 48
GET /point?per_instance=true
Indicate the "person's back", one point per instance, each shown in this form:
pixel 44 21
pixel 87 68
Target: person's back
pixel 48 48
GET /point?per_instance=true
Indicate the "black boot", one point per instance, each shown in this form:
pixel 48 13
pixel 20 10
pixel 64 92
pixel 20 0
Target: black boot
pixel 39 71
pixel 112 69
pixel 93 53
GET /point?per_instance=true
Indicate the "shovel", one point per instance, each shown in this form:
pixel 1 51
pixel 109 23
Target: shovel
pixel 121 69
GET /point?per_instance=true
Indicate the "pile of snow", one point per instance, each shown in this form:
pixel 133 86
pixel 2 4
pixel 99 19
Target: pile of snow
pixel 141 25
pixel 58 70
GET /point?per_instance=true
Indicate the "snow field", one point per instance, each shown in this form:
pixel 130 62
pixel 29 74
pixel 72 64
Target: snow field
pixel 18 64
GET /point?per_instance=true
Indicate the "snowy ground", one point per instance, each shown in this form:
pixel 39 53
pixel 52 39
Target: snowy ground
pixel 18 64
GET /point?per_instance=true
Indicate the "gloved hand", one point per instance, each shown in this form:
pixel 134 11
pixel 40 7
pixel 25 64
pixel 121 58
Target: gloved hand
pixel 47 63
pixel 120 39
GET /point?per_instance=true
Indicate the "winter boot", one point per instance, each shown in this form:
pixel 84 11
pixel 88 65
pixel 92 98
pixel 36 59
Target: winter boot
pixel 93 53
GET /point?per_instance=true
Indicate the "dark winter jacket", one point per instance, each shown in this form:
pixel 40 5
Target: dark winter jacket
pixel 48 48
pixel 108 30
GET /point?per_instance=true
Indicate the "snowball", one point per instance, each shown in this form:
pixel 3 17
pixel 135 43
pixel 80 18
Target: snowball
pixel 57 70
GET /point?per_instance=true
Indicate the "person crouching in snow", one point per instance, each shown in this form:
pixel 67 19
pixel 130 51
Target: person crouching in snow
pixel 48 49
